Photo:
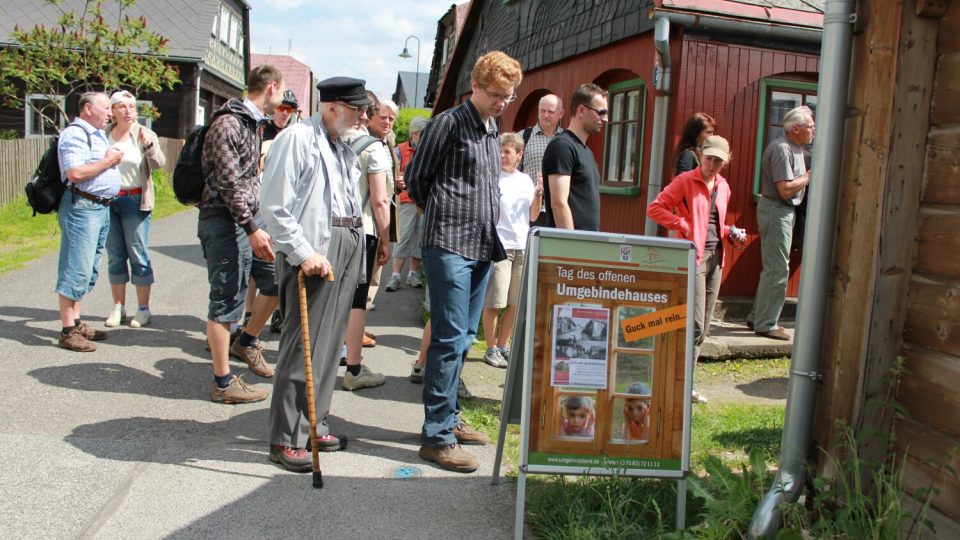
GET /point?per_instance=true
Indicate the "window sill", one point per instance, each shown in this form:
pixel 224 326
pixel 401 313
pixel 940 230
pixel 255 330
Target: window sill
pixel 610 190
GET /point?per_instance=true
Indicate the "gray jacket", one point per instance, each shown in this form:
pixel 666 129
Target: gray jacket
pixel 296 193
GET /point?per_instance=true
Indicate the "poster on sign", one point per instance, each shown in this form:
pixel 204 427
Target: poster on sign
pixel 579 346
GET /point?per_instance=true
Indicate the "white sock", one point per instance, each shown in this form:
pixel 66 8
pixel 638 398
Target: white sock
pixel 396 274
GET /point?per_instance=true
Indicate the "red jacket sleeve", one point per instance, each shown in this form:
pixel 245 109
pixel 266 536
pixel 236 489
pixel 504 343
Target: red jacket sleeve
pixel 661 209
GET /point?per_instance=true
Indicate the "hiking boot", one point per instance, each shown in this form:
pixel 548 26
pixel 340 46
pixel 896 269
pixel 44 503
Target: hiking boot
pixel 393 283
pixel 237 392
pixel 291 459
pixel 450 457
pixel 74 341
pixel 462 391
pixel 276 322
pixel 366 379
pixel 329 443
pixel 116 317
pixel 493 358
pixel 253 356
pixel 416 374
pixel 467 435
pixel 90 333
pixel 141 319
pixel 749 325
pixel 413 280
pixel 777 333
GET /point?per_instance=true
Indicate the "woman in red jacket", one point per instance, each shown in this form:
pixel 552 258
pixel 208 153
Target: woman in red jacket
pixel 695 205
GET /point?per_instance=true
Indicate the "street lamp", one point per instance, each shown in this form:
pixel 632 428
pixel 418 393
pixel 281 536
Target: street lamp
pixel 405 54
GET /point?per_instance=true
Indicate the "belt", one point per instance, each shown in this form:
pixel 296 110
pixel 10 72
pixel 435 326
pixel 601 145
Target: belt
pixel 90 197
pixel 134 191
pixel 354 222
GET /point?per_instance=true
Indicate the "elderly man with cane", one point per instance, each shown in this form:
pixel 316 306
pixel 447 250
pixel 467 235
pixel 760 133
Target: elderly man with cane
pixel 311 206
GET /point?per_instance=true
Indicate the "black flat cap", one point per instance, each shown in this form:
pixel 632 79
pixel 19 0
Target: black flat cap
pixel 346 89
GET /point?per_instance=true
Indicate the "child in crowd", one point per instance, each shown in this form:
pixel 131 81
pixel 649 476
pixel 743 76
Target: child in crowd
pixel 577 417
pixel 636 414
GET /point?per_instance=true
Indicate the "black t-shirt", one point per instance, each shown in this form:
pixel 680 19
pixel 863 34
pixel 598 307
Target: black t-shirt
pixel 567 155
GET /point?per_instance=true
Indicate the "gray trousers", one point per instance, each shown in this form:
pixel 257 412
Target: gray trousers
pixel 707 285
pixel 328 310
pixel 776 232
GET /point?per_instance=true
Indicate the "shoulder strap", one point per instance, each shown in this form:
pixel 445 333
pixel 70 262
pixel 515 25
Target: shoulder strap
pixel 526 135
pixel 362 142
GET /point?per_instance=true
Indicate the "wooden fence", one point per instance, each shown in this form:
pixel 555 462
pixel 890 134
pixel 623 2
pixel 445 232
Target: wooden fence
pixel 19 159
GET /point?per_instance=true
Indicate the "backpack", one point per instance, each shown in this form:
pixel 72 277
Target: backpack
pixel 362 142
pixel 46 188
pixel 188 179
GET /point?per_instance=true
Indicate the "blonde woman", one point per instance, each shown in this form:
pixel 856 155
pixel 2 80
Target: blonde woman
pixel 130 211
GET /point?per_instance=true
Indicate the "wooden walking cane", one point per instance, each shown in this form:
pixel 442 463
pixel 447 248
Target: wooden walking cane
pixel 308 370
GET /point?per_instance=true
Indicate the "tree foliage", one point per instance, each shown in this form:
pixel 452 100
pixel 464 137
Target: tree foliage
pixel 84 51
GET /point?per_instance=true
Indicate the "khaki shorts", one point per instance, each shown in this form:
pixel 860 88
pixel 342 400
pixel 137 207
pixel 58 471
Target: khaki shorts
pixel 503 289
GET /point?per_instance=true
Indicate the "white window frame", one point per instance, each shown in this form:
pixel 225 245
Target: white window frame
pixel 224 24
pixel 30 115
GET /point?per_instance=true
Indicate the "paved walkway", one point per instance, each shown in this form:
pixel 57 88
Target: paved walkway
pixel 124 442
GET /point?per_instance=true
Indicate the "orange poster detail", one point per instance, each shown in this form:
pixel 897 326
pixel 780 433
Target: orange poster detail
pixel 651 324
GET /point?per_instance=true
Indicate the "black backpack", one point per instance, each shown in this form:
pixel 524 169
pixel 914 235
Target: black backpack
pixel 188 179
pixel 46 188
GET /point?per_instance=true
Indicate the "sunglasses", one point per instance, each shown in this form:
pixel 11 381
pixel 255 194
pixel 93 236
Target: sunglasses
pixel 284 108
pixel 600 112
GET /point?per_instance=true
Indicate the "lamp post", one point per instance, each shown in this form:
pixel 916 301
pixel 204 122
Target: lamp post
pixel 405 54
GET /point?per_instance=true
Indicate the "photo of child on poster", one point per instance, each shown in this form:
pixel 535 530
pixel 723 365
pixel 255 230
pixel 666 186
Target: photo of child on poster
pixel 635 414
pixel 577 417
pixel 580 343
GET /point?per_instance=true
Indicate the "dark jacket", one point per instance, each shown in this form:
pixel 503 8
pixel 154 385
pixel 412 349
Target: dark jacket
pixel 231 157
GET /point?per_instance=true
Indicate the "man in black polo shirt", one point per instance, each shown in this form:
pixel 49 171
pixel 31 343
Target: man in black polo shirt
pixel 572 189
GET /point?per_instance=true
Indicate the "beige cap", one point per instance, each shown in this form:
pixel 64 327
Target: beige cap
pixel 716 146
pixel 122 97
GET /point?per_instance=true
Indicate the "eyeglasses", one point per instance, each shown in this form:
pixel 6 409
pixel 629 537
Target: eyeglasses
pixel 284 108
pixel 359 109
pixel 600 112
pixel 507 98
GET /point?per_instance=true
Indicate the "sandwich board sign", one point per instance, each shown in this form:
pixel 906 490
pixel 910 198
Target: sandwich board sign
pixel 600 373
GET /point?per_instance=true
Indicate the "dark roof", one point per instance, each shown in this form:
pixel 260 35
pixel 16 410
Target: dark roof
pixel 186 23
pixel 410 83
pixel 793 12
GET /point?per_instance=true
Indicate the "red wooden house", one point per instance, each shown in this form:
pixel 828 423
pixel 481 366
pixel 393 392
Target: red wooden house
pixel 744 62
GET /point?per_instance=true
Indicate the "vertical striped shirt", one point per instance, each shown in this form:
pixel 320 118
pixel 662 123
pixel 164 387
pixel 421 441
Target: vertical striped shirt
pixel 453 176
pixel 83 146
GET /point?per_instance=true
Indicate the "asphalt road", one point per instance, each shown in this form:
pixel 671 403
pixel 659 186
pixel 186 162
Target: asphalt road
pixel 124 441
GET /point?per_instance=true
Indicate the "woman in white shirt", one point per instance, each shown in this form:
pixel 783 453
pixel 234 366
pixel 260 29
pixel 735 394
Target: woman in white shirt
pixel 520 201
pixel 130 211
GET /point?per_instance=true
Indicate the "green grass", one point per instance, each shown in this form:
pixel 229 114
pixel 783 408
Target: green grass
pixel 24 237
pixel 742 369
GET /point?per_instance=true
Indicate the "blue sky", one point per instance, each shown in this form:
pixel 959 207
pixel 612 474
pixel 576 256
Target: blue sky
pixel 357 38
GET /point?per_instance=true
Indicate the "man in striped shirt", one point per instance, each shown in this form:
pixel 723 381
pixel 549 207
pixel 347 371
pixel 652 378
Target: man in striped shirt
pixel 453 178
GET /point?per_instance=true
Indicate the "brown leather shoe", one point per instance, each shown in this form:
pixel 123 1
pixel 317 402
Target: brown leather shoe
pixel 237 392
pixel 75 341
pixel 90 333
pixel 451 457
pixel 369 341
pixel 253 356
pixel 776 333
pixel 467 435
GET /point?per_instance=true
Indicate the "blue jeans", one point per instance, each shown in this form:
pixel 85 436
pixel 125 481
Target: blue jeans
pixel 229 257
pixel 457 288
pixel 127 241
pixel 83 228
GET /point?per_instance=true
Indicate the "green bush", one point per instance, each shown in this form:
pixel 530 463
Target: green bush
pixel 402 126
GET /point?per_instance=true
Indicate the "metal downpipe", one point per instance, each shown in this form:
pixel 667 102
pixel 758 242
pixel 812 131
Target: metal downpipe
pixel 817 251
pixel 661 41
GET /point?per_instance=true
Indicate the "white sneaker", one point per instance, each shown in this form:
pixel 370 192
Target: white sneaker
pixel 492 357
pixel 116 317
pixel 393 283
pixel 697 397
pixel 366 379
pixel 413 280
pixel 141 319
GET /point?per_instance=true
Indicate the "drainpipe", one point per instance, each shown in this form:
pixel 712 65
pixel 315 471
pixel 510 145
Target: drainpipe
pixel 196 103
pixel 817 250
pixel 661 41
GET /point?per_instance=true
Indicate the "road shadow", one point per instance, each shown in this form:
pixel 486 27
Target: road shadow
pixel 768 387
pixel 189 253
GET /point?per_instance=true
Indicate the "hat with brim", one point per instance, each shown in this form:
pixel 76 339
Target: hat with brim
pixel 716 146
pixel 122 97
pixel 345 89
pixel 289 99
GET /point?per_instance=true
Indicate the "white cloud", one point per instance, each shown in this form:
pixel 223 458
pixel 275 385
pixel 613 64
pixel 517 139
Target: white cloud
pixel 361 38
